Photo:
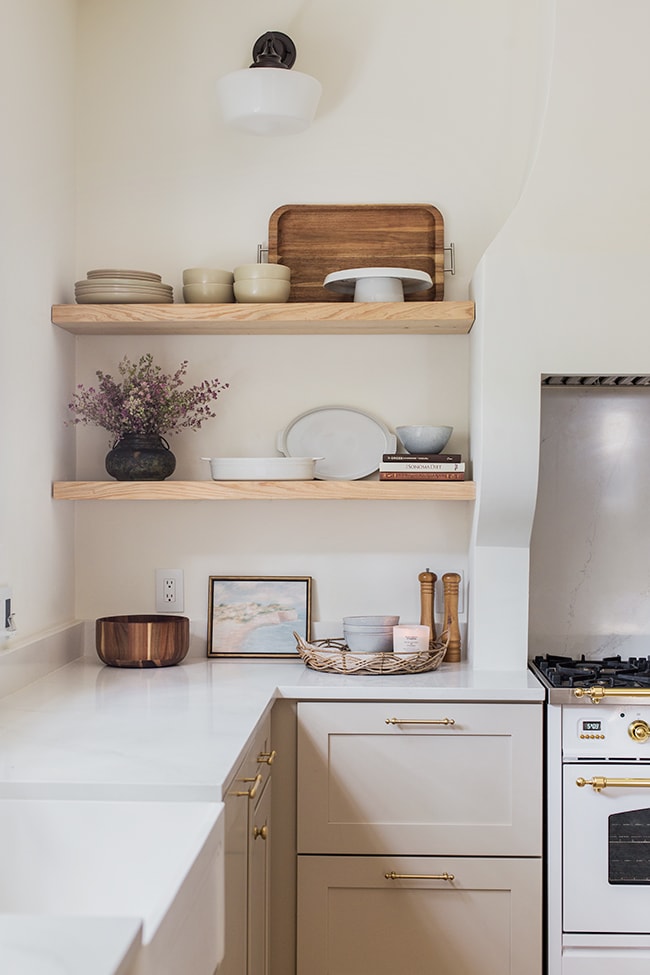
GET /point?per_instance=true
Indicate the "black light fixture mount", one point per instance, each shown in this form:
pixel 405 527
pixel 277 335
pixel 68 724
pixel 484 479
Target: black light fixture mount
pixel 274 50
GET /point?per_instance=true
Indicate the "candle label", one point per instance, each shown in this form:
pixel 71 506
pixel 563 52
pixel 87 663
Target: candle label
pixel 411 639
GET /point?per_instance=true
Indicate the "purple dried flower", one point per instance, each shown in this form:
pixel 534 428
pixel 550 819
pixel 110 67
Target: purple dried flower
pixel 146 400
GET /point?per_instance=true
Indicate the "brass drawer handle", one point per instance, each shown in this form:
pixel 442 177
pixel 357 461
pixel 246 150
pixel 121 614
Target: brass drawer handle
pixel 252 792
pixel 419 876
pixel 261 831
pixel 601 782
pixel 266 758
pixel 445 721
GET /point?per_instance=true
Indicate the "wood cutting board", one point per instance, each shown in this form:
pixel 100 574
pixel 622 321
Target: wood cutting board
pixel 315 240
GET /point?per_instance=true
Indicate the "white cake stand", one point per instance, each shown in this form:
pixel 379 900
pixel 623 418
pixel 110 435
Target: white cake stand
pixel 378 283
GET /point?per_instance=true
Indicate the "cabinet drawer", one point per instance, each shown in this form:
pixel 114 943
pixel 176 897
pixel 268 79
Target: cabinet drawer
pixel 484 921
pixel 471 786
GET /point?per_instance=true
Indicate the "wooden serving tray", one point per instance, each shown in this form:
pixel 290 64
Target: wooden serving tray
pixel 315 240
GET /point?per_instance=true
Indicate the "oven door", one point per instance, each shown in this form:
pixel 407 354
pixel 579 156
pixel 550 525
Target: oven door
pixel 606 855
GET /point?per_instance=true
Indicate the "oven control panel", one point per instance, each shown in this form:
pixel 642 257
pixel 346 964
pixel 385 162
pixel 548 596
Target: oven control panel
pixel 606 732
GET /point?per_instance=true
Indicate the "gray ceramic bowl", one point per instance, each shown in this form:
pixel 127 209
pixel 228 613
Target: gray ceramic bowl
pixel 423 439
pixel 368 639
pixel 370 621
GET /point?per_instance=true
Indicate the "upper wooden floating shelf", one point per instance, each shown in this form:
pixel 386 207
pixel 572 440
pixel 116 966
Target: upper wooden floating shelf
pixel 292 318
pixel 264 490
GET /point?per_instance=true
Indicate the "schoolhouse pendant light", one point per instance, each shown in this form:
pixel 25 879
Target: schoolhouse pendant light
pixel 268 98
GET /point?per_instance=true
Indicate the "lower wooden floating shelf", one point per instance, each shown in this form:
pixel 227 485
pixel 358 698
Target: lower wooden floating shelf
pixel 263 491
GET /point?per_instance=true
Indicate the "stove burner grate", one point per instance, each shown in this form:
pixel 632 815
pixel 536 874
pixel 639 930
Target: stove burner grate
pixel 611 671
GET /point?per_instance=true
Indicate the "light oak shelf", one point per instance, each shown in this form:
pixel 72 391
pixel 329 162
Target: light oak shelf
pixel 264 490
pixel 291 318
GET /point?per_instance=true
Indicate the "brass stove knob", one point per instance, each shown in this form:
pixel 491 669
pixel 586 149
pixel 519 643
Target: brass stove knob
pixel 639 731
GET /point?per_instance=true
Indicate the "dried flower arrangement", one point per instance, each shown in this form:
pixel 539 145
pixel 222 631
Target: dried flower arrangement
pixel 145 400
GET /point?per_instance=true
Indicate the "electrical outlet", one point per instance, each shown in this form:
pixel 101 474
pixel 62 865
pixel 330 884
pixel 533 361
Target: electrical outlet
pixel 169 590
pixel 7 624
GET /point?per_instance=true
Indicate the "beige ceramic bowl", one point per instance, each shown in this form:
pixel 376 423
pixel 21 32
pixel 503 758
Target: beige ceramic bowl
pixel 206 275
pixel 248 271
pixel 261 289
pixel 210 293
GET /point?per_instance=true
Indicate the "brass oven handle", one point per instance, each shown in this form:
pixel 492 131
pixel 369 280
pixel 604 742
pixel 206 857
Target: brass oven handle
pixel 419 876
pixel 252 792
pixel 598 693
pixel 445 721
pixel 602 782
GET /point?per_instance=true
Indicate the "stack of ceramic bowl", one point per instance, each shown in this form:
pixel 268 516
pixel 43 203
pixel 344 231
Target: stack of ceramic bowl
pixel 262 282
pixel 207 285
pixel 116 286
pixel 369 634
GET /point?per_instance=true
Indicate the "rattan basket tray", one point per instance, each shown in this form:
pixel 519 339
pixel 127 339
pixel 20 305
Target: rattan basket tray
pixel 334 657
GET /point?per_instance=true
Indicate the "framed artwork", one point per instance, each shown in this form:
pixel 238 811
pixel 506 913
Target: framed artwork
pixel 255 616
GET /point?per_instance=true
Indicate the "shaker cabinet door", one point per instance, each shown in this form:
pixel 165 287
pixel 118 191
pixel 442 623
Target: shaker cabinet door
pixel 448 916
pixel 420 779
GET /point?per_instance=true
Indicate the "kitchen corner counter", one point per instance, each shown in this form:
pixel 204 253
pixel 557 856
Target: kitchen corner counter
pixel 178 733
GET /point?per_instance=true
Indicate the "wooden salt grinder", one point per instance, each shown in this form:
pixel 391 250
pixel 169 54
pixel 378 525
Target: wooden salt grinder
pixel 427 584
pixel 450 582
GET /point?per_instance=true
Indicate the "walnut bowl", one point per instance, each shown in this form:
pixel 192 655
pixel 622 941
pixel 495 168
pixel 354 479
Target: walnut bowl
pixel 142 640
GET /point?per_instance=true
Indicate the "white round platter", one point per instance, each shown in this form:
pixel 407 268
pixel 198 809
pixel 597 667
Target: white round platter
pixel 349 441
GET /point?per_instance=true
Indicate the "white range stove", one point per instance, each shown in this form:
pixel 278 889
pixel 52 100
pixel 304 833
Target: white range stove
pixel 598 814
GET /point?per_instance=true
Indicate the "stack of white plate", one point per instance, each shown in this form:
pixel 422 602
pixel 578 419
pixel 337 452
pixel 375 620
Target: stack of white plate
pixel 117 286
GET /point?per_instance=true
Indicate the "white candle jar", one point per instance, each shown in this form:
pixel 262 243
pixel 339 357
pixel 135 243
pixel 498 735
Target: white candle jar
pixel 411 638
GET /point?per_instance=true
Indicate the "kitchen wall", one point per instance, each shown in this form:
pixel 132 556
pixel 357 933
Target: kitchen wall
pixel 448 115
pixel 37 77
pixel 525 124
pixel 552 294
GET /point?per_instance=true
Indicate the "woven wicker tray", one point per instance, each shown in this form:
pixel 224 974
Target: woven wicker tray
pixel 334 657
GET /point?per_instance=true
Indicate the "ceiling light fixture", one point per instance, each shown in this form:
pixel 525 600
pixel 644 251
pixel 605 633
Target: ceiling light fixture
pixel 267 98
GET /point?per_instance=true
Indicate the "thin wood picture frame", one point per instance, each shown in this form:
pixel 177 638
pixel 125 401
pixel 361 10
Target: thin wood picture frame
pixel 256 616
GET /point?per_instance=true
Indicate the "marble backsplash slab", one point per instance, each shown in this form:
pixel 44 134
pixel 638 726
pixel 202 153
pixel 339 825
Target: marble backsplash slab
pixel 590 544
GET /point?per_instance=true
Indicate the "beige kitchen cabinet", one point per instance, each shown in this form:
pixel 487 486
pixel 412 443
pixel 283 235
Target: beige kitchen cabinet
pixel 420 779
pixel 419 838
pixel 354 920
pixel 247 855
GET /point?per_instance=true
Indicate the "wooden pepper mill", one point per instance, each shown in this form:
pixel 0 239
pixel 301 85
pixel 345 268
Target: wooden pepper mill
pixel 450 582
pixel 427 588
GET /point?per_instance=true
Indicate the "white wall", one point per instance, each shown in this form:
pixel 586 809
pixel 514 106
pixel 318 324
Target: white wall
pixel 37 77
pixel 561 290
pixel 424 101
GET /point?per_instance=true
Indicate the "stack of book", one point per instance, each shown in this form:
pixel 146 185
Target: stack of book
pixel 422 467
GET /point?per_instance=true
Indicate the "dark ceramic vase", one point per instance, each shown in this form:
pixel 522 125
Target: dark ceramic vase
pixel 140 457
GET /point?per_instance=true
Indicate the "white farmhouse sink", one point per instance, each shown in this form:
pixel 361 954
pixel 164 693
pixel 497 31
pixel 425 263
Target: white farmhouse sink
pixel 31 945
pixel 159 862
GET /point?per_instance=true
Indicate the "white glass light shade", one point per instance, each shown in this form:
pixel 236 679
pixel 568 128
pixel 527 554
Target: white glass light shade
pixel 269 101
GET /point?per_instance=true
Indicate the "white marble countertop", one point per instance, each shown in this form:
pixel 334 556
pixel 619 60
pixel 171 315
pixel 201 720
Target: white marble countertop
pixel 90 731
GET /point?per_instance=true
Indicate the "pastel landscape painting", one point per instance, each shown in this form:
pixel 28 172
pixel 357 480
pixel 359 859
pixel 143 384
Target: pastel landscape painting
pixel 258 616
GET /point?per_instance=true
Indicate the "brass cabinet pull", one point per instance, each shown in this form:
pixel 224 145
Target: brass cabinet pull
pixel 252 792
pixel 601 782
pixel 445 721
pixel 598 693
pixel 261 831
pixel 266 758
pixel 419 876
